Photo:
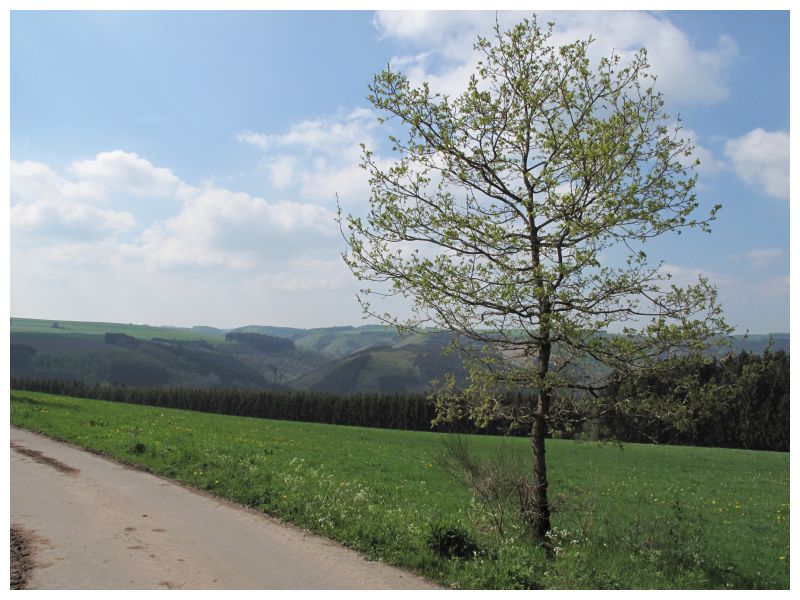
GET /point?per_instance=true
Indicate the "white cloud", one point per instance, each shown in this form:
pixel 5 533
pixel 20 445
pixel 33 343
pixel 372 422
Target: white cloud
pixel 225 258
pixel 330 134
pixel 327 180
pixel 95 179
pixel 57 219
pixel 71 255
pixel 48 207
pixel 709 164
pixel 33 181
pixel 320 158
pixel 219 227
pixel 439 27
pixel 127 172
pixel 282 171
pixel 761 257
pixel 762 302
pixel 774 287
pixel 683 276
pixel 309 275
pixel 210 226
pixel 45 204
pixel 686 74
pixel 259 140
pixel 761 158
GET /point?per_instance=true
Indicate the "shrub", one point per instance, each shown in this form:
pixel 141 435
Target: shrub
pixel 450 540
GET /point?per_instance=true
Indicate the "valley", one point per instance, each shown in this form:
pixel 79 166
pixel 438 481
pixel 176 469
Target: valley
pixel 341 360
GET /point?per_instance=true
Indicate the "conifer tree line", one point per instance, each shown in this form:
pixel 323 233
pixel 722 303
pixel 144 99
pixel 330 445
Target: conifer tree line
pixel 745 405
pixel 265 343
pixel 749 406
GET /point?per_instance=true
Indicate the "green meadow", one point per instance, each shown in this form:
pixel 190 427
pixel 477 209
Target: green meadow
pixel 632 516
pixel 83 328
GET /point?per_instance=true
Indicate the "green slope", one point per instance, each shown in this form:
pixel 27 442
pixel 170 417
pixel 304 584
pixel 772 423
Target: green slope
pixel 404 367
pixel 115 357
pixel 338 342
pixel 128 361
pixel 144 332
pixel 370 358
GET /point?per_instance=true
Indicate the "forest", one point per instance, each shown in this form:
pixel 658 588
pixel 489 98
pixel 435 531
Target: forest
pixel 748 406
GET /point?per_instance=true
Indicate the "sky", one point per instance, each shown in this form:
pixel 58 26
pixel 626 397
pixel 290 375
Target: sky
pixel 183 168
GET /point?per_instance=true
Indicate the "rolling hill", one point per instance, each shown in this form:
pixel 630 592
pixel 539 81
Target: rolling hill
pixel 370 358
pixel 333 342
pixel 150 356
pixel 407 366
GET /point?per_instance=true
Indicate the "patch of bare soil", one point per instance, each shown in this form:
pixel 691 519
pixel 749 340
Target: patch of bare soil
pixel 21 559
pixel 45 460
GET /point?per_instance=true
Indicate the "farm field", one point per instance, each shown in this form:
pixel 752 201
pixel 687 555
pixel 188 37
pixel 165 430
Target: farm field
pixel 143 332
pixel 637 516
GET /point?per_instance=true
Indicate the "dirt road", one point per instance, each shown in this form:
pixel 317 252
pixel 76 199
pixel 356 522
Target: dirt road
pixel 95 524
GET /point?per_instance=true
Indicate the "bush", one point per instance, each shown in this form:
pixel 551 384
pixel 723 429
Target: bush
pixel 450 540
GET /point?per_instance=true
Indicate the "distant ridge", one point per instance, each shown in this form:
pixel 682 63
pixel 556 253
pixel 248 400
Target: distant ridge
pixel 342 359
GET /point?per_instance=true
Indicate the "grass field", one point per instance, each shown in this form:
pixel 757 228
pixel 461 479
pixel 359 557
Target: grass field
pixel 142 332
pixel 640 516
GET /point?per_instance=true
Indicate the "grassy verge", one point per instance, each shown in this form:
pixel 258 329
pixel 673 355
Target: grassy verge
pixel 633 517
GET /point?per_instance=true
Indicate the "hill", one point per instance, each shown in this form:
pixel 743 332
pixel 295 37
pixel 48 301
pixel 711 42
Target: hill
pixel 409 365
pixel 122 359
pixel 144 332
pixel 757 343
pixel 151 356
pixel 370 358
pixel 333 342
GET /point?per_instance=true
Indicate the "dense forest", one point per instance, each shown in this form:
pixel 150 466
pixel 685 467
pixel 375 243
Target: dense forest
pixel 749 406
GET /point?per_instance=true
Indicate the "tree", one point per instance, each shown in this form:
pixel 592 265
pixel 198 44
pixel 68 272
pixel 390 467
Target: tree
pixel 498 215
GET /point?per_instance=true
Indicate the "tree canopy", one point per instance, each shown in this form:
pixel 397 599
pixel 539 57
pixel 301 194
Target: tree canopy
pixel 518 214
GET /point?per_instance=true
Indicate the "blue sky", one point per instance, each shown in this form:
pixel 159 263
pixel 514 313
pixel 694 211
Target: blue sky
pixel 182 167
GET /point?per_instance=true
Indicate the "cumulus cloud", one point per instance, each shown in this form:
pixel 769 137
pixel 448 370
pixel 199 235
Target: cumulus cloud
pixel 761 158
pixel 126 171
pixel 72 220
pixel 96 179
pixel 709 164
pixel 219 227
pixel 431 27
pixel 45 204
pixel 206 226
pixel 282 171
pixel 34 181
pixel 687 74
pixel 327 135
pixel 320 158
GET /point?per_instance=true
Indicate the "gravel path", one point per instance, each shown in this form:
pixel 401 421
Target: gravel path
pixel 95 524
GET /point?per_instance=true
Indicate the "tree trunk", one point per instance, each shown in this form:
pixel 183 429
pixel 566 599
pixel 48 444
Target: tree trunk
pixel 539 507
